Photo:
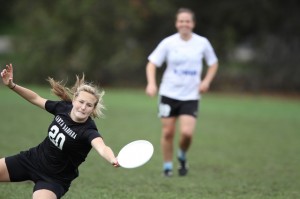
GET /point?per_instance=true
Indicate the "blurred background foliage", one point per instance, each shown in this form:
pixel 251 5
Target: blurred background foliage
pixel 257 41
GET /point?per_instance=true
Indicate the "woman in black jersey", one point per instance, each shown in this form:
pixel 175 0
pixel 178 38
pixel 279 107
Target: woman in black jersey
pixel 53 164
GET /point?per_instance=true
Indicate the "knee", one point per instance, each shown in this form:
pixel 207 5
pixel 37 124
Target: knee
pixel 168 134
pixel 4 176
pixel 187 134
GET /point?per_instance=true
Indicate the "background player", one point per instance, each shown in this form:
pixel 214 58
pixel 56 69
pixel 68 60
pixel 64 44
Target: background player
pixel 181 85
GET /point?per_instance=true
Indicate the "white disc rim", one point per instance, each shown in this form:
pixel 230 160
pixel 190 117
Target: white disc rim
pixel 135 154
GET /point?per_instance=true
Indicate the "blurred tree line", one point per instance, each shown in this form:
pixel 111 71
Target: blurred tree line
pixel 257 41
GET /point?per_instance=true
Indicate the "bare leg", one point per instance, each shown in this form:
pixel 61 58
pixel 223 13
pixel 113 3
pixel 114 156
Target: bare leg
pixel 168 131
pixel 187 128
pixel 43 194
pixel 4 176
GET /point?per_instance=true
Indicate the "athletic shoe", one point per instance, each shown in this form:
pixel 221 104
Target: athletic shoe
pixel 183 167
pixel 167 173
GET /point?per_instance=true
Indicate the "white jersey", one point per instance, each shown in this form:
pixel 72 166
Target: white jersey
pixel 184 60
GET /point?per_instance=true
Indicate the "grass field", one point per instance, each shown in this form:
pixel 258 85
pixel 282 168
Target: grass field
pixel 245 147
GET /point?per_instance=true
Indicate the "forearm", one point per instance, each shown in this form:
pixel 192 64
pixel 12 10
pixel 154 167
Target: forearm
pixel 103 150
pixel 108 154
pixel 211 73
pixel 29 95
pixel 151 73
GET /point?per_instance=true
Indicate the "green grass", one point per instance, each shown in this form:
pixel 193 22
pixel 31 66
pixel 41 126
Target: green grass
pixel 245 147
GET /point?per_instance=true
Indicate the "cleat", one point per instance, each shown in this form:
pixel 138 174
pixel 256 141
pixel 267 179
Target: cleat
pixel 167 173
pixel 183 168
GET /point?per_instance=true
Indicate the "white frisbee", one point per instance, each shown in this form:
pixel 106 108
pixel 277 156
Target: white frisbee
pixel 135 154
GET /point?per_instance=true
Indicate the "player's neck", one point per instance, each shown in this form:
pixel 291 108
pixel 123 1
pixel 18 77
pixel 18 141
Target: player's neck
pixel 186 37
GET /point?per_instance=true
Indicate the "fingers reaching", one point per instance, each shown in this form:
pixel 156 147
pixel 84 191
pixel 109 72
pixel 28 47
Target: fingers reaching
pixel 7 75
pixel 115 163
pixel 3 72
pixel 9 67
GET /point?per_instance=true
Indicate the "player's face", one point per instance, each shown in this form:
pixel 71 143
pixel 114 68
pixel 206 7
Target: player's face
pixel 185 23
pixel 83 106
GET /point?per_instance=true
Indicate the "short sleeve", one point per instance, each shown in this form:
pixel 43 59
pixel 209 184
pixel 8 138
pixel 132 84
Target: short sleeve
pixel 209 54
pixel 56 106
pixel 91 131
pixel 92 134
pixel 158 56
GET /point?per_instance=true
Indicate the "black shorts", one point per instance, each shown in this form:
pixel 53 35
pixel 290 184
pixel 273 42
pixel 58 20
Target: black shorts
pixel 18 173
pixel 169 107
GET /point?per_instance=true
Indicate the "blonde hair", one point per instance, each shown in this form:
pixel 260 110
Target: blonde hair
pixel 64 93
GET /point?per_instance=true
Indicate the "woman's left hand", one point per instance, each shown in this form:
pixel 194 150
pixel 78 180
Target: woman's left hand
pixel 115 163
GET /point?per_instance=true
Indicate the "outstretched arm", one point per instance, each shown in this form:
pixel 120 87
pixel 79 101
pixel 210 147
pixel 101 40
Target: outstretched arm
pixel 105 151
pixel 29 95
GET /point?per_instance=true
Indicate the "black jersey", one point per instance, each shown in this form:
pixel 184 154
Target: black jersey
pixel 65 148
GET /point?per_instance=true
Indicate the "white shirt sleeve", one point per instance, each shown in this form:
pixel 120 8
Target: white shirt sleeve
pixel 209 54
pixel 158 56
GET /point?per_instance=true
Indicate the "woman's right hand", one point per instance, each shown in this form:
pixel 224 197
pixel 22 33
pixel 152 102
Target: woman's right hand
pixel 7 76
pixel 151 90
